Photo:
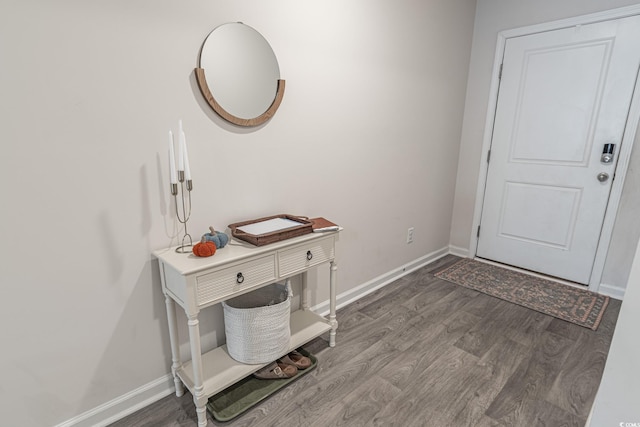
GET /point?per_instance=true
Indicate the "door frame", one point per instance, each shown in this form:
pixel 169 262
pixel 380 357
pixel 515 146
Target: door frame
pixel 626 144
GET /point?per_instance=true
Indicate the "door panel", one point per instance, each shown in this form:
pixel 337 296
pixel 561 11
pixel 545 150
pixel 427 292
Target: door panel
pixel 563 95
pixel 547 129
pixel 530 203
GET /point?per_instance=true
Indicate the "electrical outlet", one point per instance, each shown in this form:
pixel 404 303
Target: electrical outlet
pixel 410 235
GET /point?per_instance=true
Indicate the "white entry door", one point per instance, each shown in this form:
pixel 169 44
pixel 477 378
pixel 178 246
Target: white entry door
pixel 563 95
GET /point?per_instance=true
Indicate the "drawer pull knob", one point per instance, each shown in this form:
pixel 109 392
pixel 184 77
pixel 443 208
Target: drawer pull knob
pixel 309 255
pixel 239 278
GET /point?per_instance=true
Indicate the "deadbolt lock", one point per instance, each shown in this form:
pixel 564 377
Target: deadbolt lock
pixel 607 153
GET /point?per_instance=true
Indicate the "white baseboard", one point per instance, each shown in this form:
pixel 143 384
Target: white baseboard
pixel 147 394
pixel 611 291
pixel 458 251
pixel 124 405
pixel 358 292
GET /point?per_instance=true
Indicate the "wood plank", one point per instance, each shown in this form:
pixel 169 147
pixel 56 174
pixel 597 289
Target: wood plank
pixel 484 304
pixel 479 339
pixel 337 381
pixel 381 306
pixel 439 391
pixel 580 374
pixel 503 358
pixel 543 414
pixel 441 264
pixel 361 405
pixel 386 325
pixel 529 327
pixel 532 380
pixel 380 293
pixel 452 300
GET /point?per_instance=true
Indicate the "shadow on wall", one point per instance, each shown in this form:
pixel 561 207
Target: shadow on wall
pixel 113 257
pixel 127 351
pixel 145 306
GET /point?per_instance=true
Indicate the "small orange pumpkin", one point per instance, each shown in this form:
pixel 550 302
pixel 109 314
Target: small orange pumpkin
pixel 204 248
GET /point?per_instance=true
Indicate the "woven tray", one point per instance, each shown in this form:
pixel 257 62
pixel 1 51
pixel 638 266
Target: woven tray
pixel 305 227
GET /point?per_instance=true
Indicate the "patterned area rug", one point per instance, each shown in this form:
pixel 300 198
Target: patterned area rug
pixel 582 307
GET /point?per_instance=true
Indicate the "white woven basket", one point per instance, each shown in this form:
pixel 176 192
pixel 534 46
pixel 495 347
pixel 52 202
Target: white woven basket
pixel 257 324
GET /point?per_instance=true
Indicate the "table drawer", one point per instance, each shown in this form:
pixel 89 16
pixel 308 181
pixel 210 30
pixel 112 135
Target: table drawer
pixel 219 284
pixel 301 257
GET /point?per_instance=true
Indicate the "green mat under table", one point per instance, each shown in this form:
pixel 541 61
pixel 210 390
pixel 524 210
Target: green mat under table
pixel 246 393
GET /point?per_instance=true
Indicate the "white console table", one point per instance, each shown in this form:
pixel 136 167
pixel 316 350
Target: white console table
pixel 195 283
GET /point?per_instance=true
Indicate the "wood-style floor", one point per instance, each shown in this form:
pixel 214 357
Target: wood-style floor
pixel 424 352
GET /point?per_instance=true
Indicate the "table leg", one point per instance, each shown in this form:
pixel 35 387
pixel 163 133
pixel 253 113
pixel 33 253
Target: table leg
pixel 332 304
pixel 304 295
pixel 175 346
pixel 199 397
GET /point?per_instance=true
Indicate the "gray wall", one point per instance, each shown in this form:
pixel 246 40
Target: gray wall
pixel 493 16
pixel 367 135
pixel 616 403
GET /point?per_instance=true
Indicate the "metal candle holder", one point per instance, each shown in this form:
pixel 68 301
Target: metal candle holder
pixel 186 209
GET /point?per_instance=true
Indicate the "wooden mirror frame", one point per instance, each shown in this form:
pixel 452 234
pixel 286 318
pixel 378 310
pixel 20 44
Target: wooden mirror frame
pixel 256 121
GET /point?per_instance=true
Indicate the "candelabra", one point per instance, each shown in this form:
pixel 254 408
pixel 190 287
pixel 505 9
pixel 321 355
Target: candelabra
pixel 183 179
pixel 185 185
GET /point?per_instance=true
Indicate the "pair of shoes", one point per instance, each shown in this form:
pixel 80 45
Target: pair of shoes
pixel 276 370
pixel 285 367
pixel 296 359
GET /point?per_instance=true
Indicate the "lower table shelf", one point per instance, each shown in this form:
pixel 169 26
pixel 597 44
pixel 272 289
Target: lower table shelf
pixel 220 370
pixel 249 391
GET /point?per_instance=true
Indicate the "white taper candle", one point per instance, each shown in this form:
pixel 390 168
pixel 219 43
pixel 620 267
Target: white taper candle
pixel 172 160
pixel 187 169
pixel 180 147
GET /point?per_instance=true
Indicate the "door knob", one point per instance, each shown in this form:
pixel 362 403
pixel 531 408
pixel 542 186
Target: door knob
pixel 603 176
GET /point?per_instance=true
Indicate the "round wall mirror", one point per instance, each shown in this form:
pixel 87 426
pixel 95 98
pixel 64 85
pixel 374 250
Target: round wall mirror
pixel 239 76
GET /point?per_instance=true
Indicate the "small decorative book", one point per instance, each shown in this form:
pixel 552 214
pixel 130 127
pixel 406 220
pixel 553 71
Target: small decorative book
pixel 322 224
